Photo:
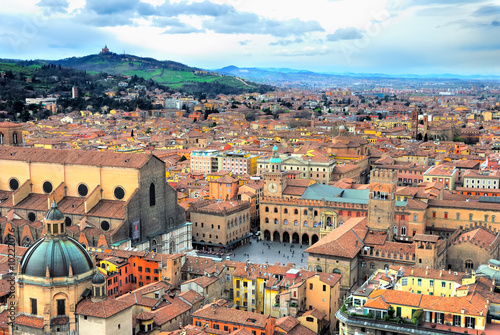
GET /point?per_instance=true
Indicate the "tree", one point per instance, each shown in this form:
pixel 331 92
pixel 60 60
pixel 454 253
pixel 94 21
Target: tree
pixel 250 117
pixel 426 139
pixel 419 137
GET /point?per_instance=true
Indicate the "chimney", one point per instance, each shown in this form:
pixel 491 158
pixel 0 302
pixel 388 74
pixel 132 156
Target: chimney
pixel 426 270
pixel 441 273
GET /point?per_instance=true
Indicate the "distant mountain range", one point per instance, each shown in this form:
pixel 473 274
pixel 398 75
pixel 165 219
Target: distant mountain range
pixel 175 75
pixel 282 75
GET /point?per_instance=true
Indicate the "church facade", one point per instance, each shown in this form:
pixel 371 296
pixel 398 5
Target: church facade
pixel 108 199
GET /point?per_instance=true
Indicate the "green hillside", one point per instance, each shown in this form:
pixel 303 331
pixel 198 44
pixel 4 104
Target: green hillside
pixel 172 74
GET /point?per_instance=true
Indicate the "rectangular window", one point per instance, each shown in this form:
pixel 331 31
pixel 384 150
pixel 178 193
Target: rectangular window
pixel 419 282
pixel 140 268
pixel 310 286
pixel 324 288
pixel 33 306
pixel 457 320
pixel 61 307
pixel 443 284
pixel 431 283
pixel 470 322
pixel 148 270
pixel 216 326
pixel 404 281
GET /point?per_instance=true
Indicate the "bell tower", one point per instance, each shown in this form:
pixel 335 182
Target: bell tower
pixel 382 200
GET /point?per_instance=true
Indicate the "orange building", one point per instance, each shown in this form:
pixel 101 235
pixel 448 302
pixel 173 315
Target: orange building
pixel 218 317
pixel 224 188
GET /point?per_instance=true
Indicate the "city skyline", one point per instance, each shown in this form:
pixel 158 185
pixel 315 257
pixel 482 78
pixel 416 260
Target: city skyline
pixel 383 36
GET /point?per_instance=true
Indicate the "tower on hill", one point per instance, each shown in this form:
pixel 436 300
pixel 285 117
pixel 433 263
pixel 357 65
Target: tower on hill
pixel 105 50
pixel 381 203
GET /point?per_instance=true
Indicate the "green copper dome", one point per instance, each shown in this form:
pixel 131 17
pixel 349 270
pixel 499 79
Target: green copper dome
pixel 54 214
pixel 98 278
pixel 58 255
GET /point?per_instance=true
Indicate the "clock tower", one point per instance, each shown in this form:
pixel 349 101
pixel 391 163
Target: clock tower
pixel 274 179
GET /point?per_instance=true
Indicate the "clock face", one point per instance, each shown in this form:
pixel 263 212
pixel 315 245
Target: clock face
pixel 272 187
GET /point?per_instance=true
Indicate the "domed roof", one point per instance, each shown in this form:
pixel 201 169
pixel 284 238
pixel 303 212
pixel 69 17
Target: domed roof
pixel 54 214
pixel 58 254
pixel 98 279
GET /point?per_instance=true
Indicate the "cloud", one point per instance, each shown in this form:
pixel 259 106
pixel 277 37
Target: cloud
pixel 287 42
pixel 244 42
pixel 204 8
pixel 54 6
pixel 250 23
pixel 350 33
pixel 487 11
pixel 111 6
pixel 495 23
pixel 307 51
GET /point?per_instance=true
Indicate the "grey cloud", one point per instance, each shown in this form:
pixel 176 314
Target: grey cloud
pixel 54 6
pixel 350 33
pixel 175 26
pixel 487 10
pixel 204 8
pixel 249 23
pixel 495 23
pixel 111 6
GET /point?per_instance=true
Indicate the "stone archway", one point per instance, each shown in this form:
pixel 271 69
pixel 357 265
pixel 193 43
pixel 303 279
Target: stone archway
pixel 267 235
pixel 295 238
pixel 305 239
pixel 276 237
pixel 286 237
pixel 314 239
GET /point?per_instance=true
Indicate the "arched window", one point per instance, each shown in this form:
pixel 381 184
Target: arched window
pixel 295 223
pixel 305 211
pixel 295 211
pixel 403 231
pixel 469 264
pixel 275 221
pixel 315 213
pixel 14 138
pixel 372 265
pixel 267 220
pixel 363 264
pixel 152 195
pixel 414 217
pixel 276 209
pixel 305 223
pixel 1 138
pixel 285 211
pixel 395 230
pixel 318 269
pixel 285 222
pixel 267 209
pixel 337 271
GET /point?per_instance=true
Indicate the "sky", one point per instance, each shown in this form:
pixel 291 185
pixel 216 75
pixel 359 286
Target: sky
pixel 361 36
